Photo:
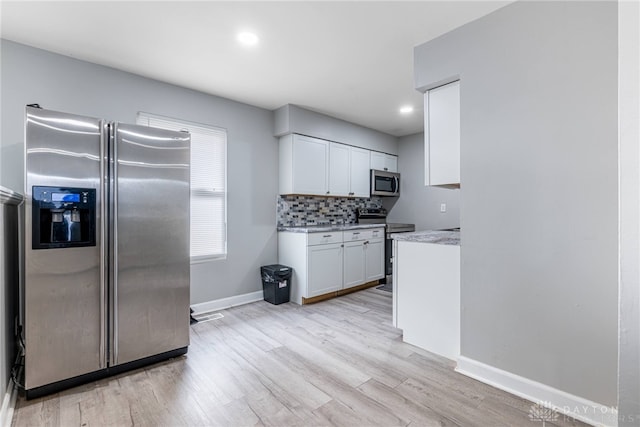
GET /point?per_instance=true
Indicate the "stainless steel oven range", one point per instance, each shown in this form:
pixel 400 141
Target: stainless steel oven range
pixel 379 216
pixel 393 228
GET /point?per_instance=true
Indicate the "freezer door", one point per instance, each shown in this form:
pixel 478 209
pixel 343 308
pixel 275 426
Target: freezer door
pixel 150 187
pixel 64 291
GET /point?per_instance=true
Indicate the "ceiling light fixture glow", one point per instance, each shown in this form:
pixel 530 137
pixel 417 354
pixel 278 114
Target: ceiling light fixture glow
pixel 406 109
pixel 248 39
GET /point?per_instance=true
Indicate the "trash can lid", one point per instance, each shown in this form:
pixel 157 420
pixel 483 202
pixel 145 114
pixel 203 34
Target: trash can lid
pixel 276 267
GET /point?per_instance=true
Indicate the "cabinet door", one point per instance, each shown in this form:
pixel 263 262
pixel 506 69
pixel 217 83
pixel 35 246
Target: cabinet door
pixel 354 264
pixel 325 269
pixel 374 260
pixel 391 163
pixel 339 169
pixel 377 160
pixel 442 135
pixel 310 165
pixel 384 162
pixel 360 181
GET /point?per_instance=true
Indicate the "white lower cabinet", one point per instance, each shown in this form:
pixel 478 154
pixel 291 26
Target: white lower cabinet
pixel 374 259
pixel 354 264
pixel 332 261
pixel 325 269
pixel 426 291
pixel 363 256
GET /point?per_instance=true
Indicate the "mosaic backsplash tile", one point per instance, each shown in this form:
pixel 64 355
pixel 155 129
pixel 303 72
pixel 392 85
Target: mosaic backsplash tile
pixel 300 211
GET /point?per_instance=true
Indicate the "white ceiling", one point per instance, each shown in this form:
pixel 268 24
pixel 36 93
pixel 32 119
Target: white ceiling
pixel 348 59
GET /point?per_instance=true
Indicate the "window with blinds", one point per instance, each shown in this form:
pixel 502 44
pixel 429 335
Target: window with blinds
pixel 208 184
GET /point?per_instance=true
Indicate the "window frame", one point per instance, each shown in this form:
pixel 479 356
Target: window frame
pixel 144 119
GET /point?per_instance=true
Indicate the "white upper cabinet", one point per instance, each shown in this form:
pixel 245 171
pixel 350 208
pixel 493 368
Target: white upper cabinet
pixel 359 168
pixel 339 170
pixel 442 135
pixel 391 162
pixel 384 162
pixel 318 167
pixel 304 165
pixel 348 171
pixel 378 160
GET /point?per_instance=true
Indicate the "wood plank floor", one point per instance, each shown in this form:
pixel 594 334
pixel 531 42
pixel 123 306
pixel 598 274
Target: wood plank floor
pixel 337 362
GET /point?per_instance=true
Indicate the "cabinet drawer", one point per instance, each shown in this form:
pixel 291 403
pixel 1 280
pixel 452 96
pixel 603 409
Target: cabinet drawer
pixel 376 233
pixel 364 234
pixel 324 238
pixel 353 235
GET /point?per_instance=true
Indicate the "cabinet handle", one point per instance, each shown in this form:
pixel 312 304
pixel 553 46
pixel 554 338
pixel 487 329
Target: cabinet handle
pixel 366 243
pixel 327 235
pixel 327 192
pixel 356 232
pixel 386 169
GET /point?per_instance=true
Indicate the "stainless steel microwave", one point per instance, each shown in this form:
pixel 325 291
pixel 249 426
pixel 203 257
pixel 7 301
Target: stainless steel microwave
pixel 385 183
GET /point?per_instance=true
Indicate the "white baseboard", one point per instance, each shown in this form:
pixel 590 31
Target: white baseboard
pixel 541 394
pixel 8 405
pixel 221 304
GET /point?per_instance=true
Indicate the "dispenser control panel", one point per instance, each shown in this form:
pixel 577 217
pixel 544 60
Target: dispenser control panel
pixel 66 197
pixel 63 217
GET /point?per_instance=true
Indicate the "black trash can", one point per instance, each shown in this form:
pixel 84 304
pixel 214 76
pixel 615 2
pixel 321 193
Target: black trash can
pixel 276 283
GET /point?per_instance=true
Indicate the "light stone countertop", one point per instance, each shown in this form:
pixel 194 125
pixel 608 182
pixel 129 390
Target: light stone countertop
pixel 328 227
pixel 440 237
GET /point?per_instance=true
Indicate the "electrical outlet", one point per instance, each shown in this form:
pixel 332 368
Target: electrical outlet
pixel 443 207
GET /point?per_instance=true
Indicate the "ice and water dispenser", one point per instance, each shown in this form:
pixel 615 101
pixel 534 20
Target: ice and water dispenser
pixel 63 217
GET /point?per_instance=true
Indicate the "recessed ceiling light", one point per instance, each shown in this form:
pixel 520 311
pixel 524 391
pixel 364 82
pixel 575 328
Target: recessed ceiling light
pixel 406 109
pixel 247 38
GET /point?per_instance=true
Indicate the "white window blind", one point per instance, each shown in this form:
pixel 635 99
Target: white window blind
pixel 208 184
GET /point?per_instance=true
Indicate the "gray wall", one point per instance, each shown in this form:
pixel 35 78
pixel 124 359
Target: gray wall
pixel 60 83
pixel 293 119
pixel 418 204
pixel 539 189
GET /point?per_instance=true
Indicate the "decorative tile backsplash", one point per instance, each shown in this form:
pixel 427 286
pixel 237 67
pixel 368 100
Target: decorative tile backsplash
pixel 300 211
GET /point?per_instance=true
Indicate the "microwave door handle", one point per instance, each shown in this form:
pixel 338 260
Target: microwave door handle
pixel 396 186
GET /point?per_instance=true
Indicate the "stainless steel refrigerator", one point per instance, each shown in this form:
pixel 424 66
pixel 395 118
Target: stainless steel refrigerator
pixel 107 248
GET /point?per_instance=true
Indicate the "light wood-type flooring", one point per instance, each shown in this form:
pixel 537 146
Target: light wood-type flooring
pixel 338 362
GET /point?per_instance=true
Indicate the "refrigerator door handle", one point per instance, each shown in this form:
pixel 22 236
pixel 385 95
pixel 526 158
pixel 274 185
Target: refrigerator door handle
pixel 114 237
pixel 103 274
